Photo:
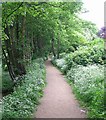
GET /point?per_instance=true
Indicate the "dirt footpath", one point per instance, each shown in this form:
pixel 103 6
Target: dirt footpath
pixel 58 100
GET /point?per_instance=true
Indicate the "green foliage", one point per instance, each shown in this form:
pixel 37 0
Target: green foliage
pixel 7 83
pixel 90 30
pixel 89 54
pixel 25 98
pixel 89 87
pixel 92 53
pixel 47 20
pixel 34 29
pixel 61 64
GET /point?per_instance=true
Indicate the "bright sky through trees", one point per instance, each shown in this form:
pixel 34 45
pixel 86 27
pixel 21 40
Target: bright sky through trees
pixel 96 11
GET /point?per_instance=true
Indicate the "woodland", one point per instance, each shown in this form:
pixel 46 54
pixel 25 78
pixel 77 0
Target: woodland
pixel 32 33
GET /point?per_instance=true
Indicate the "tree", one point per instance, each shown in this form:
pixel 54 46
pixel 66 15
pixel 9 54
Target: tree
pixel 34 29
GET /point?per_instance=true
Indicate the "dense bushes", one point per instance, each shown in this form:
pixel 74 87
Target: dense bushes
pixel 92 53
pixel 22 102
pixel 89 54
pixel 84 69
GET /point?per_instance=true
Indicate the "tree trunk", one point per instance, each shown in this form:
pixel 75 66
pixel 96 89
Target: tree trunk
pixel 22 54
pixel 53 50
pixel 13 48
pixel 58 48
pixel 9 59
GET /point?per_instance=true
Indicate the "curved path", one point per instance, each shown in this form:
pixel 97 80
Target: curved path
pixel 58 100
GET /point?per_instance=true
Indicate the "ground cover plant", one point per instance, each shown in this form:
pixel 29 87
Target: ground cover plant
pixel 89 87
pixel 25 98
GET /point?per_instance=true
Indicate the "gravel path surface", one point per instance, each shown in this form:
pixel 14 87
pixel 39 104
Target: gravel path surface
pixel 58 100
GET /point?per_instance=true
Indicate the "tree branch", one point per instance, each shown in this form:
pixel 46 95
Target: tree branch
pixel 13 11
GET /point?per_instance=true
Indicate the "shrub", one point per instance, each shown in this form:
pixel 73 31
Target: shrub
pixel 60 62
pixel 92 53
pixel 85 55
pixel 22 102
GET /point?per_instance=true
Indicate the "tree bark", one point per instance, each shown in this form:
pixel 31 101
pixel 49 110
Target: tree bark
pixel 9 66
pixel 9 59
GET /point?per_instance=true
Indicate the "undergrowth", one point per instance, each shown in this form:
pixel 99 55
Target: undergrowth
pixel 25 98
